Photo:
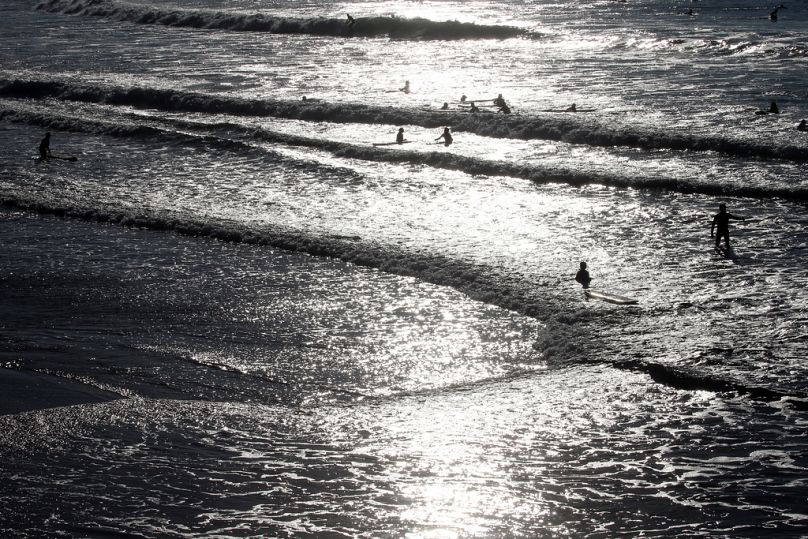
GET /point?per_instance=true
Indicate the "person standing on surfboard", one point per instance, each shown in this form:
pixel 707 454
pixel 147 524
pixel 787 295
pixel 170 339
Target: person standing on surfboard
pixel 721 220
pixel 583 276
pixel 44 147
pixel 446 136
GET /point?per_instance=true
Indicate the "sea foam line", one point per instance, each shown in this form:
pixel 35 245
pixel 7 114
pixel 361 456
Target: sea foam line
pixel 394 27
pixel 520 127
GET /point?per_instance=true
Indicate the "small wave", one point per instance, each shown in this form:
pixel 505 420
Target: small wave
pixel 194 133
pixel 522 127
pixel 393 27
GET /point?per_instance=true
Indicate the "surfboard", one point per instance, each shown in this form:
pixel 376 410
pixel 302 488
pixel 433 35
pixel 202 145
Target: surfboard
pixel 391 143
pixel 609 298
pixel 569 111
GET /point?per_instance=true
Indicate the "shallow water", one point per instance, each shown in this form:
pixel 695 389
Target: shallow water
pixel 315 336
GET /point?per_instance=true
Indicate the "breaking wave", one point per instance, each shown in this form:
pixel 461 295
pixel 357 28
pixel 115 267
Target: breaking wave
pixel 393 27
pixel 239 138
pixel 521 127
pixel 564 341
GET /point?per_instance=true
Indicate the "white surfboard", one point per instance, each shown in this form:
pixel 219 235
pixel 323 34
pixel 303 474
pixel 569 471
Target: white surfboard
pixel 609 298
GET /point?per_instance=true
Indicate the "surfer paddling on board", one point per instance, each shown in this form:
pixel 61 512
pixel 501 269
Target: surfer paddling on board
pixel 583 276
pixel 721 220
pixel 44 147
pixel 446 136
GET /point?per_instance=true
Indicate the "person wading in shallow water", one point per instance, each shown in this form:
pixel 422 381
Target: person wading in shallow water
pixel 721 220
pixel 583 276
pixel 44 147
pixel 446 136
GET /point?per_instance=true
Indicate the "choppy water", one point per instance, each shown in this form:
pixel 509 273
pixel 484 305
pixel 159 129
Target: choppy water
pixel 320 337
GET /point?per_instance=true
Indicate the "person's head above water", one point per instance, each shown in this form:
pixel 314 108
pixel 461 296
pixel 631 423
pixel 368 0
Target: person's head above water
pixel 583 265
pixel 722 207
pixel 400 129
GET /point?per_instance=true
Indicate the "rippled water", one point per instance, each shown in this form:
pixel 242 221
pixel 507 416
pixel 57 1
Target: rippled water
pixel 312 336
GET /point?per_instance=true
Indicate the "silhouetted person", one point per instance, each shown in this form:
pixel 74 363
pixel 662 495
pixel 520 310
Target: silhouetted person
pixel 351 20
pixel 406 88
pixel 721 220
pixel 504 109
pixel 446 136
pixel 773 109
pixel 44 147
pixel 571 108
pixel 445 106
pixel 803 126
pixel 499 101
pixel 473 108
pixel 463 98
pixel 773 14
pixel 400 136
pixel 583 276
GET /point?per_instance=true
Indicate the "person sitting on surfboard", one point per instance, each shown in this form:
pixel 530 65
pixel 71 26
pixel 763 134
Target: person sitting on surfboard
pixel 773 14
pixel 446 107
pixel 473 107
pixel 446 136
pixel 406 88
pixel 721 220
pixel 400 136
pixel 463 98
pixel 803 126
pixel 571 108
pixel 44 147
pixel 504 109
pixel 583 276
pixel 499 101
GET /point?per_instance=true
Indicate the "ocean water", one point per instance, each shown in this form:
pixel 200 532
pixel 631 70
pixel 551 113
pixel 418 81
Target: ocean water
pixel 292 332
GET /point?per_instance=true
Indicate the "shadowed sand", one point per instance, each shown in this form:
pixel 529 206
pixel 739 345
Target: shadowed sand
pixel 26 391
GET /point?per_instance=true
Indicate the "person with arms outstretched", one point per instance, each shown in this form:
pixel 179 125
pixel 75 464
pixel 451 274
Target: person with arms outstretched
pixel 446 136
pixel 583 276
pixel 721 221
pixel 44 147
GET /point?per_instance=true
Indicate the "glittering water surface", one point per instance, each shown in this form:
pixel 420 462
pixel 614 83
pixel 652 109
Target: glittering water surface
pixel 307 334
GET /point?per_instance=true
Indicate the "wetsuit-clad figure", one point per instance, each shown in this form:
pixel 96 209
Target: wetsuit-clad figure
pixel 773 14
pixel 44 147
pixel 721 220
pixel 445 106
pixel 571 108
pixel 446 136
pixel 406 88
pixel 803 126
pixel 400 136
pixel 583 276
pixel 499 101
pixel 473 108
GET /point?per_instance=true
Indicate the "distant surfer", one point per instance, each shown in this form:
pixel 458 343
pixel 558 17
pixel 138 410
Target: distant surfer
pixel 351 20
pixel 473 107
pixel 446 136
pixel 571 108
pixel 406 88
pixel 773 109
pixel 583 276
pixel 803 126
pixel 773 14
pixel 463 98
pixel 400 136
pixel 504 109
pixel 499 101
pixel 446 106
pixel 721 220
pixel 44 147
